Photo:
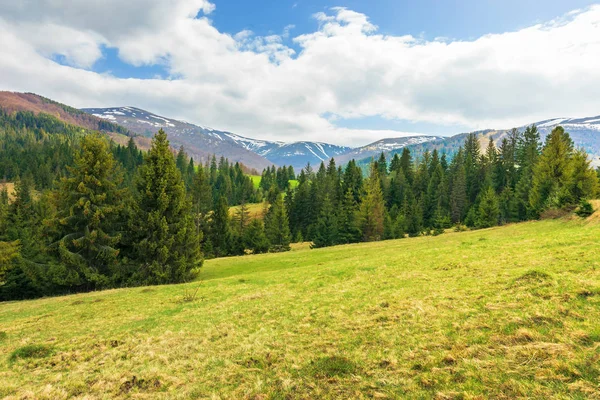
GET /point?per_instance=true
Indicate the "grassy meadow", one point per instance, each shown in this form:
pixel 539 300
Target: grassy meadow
pixel 505 312
pixel 257 178
pixel 255 210
pixel 10 188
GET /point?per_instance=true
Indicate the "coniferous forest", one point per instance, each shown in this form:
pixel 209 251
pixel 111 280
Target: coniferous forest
pixel 89 214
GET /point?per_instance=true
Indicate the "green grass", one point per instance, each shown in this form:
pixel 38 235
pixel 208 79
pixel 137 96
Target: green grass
pixel 257 178
pixel 507 312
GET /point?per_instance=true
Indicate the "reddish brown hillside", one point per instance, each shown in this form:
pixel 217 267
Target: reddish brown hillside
pixel 12 102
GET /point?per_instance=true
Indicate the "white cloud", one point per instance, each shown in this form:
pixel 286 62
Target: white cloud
pixel 260 87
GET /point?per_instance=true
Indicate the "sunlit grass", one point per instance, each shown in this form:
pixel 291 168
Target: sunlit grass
pixel 506 312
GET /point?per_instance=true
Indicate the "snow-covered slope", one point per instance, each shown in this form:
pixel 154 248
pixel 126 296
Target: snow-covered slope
pixel 204 141
pixel 296 154
pixel 199 141
pixel 384 146
pixel 585 133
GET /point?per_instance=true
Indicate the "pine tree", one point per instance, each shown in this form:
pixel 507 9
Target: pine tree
pixel 277 226
pixel 353 180
pixel 190 174
pixel 413 213
pixel 382 166
pixel 202 201
pixel 326 230
pixel 8 252
pixel 372 210
pixel 90 203
pixel 219 230
pixel 553 171
pixel 241 218
pixel 458 197
pixel 406 163
pixel 167 245
pixel 489 211
pixel 584 181
pixel 349 229
pixel 181 163
pixel 255 239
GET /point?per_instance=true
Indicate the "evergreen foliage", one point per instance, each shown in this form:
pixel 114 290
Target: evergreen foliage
pixel 167 246
pixel 87 213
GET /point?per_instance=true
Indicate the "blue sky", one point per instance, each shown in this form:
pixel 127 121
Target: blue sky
pixel 427 19
pixel 461 19
pixel 350 75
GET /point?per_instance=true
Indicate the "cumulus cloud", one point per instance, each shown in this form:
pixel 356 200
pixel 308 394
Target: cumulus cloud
pixel 259 86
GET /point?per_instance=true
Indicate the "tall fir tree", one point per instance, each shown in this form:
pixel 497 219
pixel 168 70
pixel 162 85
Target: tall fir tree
pixel 326 230
pixel 219 230
pixel 255 238
pixel 552 173
pixel 90 204
pixel 167 246
pixel 277 227
pixel 348 221
pixel 458 197
pixel 489 210
pixel 372 209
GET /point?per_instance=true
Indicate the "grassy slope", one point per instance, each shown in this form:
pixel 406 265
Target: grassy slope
pixel 503 313
pixel 257 178
pixel 10 188
pixel 256 210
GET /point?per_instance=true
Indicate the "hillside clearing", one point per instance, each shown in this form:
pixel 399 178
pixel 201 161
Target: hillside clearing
pixel 10 188
pixel 255 210
pixel 503 313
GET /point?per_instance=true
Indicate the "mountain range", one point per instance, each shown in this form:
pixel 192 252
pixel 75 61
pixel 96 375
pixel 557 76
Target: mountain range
pixel 202 142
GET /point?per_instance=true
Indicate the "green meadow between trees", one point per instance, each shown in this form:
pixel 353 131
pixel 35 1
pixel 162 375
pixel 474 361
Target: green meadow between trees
pixel 505 312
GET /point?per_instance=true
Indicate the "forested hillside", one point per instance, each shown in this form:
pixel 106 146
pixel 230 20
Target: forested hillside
pixel 87 213
pixel 91 214
pixel 427 194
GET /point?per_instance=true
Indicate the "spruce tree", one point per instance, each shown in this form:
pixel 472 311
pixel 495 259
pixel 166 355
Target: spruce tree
pixel 552 173
pixel 8 252
pixel 277 227
pixel 326 230
pixel 167 246
pixel 458 197
pixel 90 203
pixel 202 201
pixel 489 211
pixel 406 164
pixel 349 229
pixel 219 231
pixel 584 181
pixel 413 213
pixel 372 210
pixel 255 239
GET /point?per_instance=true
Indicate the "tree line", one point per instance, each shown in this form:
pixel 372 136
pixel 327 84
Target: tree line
pixel 88 214
pixel 518 180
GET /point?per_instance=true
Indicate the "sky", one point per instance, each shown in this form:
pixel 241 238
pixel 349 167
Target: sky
pixel 347 72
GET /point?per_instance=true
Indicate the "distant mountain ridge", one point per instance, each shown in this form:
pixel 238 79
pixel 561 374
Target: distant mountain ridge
pixel 203 141
pixel 384 146
pixel 30 102
pixel 585 133
pixel 199 142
